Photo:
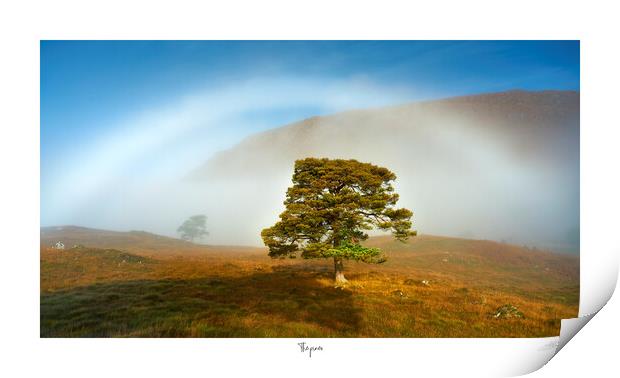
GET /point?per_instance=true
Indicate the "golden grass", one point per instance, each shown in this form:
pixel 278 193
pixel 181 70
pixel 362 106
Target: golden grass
pixel 240 292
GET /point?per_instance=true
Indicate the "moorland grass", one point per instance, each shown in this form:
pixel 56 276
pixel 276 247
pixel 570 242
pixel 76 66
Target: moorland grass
pixel 212 292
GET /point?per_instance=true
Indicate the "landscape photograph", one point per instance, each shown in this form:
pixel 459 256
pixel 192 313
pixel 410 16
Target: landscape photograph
pixel 294 189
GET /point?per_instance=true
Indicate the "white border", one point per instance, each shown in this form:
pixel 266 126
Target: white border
pixel 24 23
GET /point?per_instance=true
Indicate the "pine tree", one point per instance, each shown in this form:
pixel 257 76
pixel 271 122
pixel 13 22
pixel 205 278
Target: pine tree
pixel 330 206
pixel 194 227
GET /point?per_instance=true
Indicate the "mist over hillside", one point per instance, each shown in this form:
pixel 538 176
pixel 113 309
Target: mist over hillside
pixel 502 166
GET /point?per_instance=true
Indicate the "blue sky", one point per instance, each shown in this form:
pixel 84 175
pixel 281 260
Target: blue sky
pixel 116 111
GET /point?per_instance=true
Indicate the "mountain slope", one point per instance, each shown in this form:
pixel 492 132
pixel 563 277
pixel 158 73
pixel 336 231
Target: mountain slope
pixel 525 121
pixel 502 166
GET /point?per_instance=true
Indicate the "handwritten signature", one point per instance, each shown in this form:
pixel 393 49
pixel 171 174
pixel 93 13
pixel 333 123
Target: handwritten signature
pixel 307 348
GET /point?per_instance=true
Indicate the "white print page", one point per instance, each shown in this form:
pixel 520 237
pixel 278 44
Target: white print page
pixel 24 25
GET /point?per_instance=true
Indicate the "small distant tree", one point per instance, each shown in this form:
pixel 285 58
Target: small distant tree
pixel 328 209
pixel 195 227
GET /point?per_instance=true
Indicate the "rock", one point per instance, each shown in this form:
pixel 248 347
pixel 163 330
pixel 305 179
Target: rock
pixel 412 282
pixel 507 311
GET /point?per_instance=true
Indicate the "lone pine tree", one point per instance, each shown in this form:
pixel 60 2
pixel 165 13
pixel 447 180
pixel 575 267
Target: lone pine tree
pixel 194 227
pixel 330 206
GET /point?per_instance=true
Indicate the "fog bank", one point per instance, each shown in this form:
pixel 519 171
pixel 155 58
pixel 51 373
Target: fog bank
pixel 502 167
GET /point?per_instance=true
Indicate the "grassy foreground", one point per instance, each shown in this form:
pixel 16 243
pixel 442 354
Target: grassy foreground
pixel 430 287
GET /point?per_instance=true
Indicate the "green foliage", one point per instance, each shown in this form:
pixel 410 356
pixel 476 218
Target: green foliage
pixel 330 206
pixel 351 251
pixel 193 228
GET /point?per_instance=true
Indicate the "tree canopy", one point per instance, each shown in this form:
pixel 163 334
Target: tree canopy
pixel 329 208
pixel 195 227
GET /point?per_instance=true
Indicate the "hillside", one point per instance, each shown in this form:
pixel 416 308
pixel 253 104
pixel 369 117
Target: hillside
pixel 502 166
pixel 538 117
pixel 134 241
pixel 431 286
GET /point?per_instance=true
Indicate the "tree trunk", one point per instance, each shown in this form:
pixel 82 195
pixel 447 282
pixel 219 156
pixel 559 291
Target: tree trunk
pixel 339 271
